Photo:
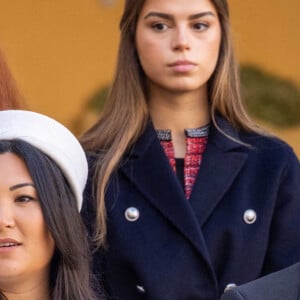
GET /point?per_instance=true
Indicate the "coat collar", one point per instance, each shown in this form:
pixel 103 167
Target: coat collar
pixel 215 136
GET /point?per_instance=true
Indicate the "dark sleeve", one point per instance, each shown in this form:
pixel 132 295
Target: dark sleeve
pixel 232 294
pixel 88 210
pixel 284 244
pixel 88 214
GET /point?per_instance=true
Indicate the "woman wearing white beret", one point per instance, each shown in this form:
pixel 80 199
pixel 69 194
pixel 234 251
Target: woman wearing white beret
pixel 43 247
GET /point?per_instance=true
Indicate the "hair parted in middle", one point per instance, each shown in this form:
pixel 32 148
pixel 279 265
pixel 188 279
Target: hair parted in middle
pixel 125 113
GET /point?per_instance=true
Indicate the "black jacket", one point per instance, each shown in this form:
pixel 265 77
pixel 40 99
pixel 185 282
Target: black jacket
pixel 191 249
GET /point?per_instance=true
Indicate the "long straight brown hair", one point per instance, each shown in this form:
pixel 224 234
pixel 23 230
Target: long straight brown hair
pixel 125 113
pixel 10 97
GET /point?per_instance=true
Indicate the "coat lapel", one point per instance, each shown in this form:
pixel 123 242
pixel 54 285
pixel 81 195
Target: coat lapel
pixel 162 188
pixel 221 163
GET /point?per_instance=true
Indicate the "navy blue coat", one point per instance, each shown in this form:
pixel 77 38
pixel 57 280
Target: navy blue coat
pixel 281 285
pixel 191 249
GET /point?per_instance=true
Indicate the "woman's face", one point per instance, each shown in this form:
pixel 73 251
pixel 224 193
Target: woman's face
pixel 178 43
pixel 26 246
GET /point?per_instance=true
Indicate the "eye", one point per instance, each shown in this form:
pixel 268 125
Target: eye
pixel 159 26
pixel 24 199
pixel 200 26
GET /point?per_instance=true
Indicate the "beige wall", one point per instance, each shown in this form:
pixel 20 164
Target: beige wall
pixel 60 51
pixel 267 33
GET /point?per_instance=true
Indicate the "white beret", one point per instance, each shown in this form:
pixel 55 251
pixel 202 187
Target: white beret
pixel 52 138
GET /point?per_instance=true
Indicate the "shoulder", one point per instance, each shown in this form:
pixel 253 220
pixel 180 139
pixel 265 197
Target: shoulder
pixel 263 151
pixel 266 143
pixel 253 143
pixel 283 284
pixel 273 154
pixel 271 149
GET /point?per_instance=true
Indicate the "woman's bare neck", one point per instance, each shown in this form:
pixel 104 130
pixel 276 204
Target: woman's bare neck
pixel 178 112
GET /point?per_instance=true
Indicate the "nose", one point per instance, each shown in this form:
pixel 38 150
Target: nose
pixel 6 217
pixel 181 40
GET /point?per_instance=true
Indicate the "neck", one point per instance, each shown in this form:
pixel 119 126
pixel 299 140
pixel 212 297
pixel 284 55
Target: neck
pixel 177 111
pixel 29 288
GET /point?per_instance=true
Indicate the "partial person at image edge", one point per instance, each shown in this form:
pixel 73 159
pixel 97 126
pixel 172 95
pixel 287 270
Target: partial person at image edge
pixel 43 247
pixel 281 285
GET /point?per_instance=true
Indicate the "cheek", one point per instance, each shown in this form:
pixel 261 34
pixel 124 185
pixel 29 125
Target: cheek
pixel 44 246
pixel 149 53
pixel 143 53
pixel 215 44
pixel 212 52
pixel 39 238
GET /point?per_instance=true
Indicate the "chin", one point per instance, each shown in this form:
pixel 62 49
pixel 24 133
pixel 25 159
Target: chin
pixel 185 89
pixel 177 85
pixel 185 86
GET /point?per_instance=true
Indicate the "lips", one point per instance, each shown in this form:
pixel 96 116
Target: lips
pixel 6 243
pixel 182 66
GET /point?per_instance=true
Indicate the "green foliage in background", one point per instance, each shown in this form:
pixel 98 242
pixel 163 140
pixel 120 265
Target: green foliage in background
pixel 267 97
pixel 270 98
pixel 96 102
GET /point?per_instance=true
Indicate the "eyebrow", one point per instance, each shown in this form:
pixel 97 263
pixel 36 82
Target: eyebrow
pixel 170 17
pixel 20 185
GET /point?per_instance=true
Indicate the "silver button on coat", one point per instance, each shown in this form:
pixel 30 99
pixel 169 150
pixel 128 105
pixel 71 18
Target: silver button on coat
pixel 229 286
pixel 132 214
pixel 140 289
pixel 250 216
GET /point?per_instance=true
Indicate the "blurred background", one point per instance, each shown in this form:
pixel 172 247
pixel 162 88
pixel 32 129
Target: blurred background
pixel 62 54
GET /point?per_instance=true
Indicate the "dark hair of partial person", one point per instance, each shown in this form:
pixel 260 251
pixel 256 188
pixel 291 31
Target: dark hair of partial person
pixel 10 97
pixel 125 112
pixel 70 277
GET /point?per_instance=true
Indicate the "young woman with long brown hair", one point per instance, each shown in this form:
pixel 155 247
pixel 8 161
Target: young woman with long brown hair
pixel 187 196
